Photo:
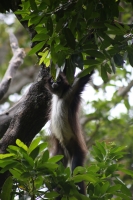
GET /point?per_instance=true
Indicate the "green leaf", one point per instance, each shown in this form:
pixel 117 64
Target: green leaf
pixel 92 62
pixel 33 4
pixel 38 149
pixel 101 147
pixel 16 174
pixel 79 170
pixel 118 59
pixel 127 104
pixel 70 71
pixel 44 57
pixel 114 30
pixel 34 20
pixel 34 144
pixel 111 169
pixel 69 38
pixel 40 37
pixel 53 53
pixel 13 149
pixel 108 69
pixel 121 27
pixel 89 46
pixel 53 70
pixel 8 166
pixel 97 190
pixel 34 153
pixel 106 38
pixel 47 63
pixel 39 182
pixel 5 162
pixel 117 149
pixel 97 153
pixel 105 187
pixel 93 168
pixel 126 190
pixel 123 196
pixel 85 72
pixel 73 23
pixel 7 189
pixel 73 198
pixel 25 175
pixel 50 26
pixel 95 54
pixel 51 194
pixel 50 166
pixel 77 60
pixel 67 172
pixel 45 156
pixel 55 158
pixel 114 188
pixel 2 156
pixel 104 74
pixel 28 159
pixel 21 144
pixel 36 48
pixel 85 177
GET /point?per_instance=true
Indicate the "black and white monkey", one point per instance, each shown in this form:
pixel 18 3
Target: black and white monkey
pixel 65 126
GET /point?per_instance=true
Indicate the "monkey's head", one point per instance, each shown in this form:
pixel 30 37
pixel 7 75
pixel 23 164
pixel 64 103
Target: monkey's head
pixel 58 87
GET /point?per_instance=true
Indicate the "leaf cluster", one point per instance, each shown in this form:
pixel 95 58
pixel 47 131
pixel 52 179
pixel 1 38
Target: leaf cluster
pixel 83 34
pixel 35 173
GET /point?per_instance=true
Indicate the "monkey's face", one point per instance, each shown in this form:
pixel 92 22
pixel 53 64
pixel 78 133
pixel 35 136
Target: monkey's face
pixel 59 86
pixel 56 86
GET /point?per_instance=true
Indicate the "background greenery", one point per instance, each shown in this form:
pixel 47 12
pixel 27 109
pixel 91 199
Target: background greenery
pixel 87 35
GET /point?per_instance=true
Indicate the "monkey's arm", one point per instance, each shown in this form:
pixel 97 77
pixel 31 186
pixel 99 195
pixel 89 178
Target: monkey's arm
pixel 79 84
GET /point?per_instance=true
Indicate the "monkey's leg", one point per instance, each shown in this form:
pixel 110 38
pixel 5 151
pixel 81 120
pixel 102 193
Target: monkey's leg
pixel 59 150
pixel 78 160
pixel 78 157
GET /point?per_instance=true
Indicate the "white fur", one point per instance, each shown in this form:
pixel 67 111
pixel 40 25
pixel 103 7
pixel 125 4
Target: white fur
pixel 59 120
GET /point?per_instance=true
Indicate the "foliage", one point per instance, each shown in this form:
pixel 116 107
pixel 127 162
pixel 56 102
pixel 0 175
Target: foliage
pixel 34 173
pixel 83 34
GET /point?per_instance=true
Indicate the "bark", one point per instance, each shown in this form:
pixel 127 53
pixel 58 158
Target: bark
pixel 6 117
pixel 31 115
pixel 25 119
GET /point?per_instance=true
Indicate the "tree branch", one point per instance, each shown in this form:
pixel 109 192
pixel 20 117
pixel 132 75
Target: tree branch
pixel 31 116
pixel 91 139
pixel 6 117
pixel 22 78
pixel 123 92
pixel 16 61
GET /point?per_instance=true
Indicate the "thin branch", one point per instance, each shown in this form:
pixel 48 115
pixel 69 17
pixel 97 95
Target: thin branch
pixel 90 141
pixel 123 92
pixel 16 61
pixel 84 120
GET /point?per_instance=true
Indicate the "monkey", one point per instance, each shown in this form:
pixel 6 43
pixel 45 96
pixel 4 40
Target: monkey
pixel 64 121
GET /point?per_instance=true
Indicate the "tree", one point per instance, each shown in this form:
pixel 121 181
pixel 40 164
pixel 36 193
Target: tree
pixel 67 34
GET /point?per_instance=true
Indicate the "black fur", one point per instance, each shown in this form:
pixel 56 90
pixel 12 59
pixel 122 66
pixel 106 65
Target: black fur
pixel 68 100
